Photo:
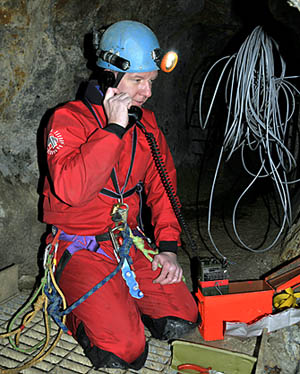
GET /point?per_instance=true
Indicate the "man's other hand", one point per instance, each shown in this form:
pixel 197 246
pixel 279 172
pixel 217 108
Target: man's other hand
pixel 171 271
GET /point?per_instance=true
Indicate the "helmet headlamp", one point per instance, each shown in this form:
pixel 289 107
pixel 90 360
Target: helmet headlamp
pixel 169 61
pixel 165 61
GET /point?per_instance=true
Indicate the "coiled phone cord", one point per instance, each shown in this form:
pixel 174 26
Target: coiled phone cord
pixel 166 181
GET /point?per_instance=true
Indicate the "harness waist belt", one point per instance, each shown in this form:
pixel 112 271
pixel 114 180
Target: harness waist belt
pixel 79 242
pixel 102 237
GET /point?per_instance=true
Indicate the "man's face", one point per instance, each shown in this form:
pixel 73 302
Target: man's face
pixel 138 86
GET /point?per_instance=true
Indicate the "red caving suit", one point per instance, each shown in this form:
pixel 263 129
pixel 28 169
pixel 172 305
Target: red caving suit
pixel 81 156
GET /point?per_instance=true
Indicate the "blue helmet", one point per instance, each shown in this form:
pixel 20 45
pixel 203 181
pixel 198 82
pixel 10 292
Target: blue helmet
pixel 134 43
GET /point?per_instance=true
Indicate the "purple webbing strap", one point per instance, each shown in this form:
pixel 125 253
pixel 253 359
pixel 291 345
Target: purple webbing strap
pixel 82 242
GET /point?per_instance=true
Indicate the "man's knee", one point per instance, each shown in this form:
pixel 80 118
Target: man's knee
pixel 169 327
pixel 105 359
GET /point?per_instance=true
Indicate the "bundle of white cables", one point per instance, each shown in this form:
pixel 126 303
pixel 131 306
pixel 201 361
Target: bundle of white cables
pixel 294 3
pixel 260 106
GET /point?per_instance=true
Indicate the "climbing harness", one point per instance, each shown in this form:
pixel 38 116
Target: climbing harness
pixel 122 241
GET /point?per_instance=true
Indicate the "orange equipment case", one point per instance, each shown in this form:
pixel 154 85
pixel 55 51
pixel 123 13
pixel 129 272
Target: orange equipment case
pixel 245 302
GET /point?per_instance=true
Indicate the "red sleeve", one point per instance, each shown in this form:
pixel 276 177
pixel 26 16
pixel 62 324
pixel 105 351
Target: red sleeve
pixel 80 154
pixel 166 226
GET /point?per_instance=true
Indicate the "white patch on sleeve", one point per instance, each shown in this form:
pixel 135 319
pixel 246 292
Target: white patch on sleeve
pixel 55 142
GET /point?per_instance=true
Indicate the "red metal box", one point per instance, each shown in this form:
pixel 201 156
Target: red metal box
pixel 246 301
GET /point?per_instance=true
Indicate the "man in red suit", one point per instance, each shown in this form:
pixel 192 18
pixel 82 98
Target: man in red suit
pixel 99 161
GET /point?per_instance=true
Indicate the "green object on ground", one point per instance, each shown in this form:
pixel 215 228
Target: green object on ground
pixel 221 360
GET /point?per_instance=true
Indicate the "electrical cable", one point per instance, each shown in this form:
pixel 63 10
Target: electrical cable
pixel 166 181
pixel 260 103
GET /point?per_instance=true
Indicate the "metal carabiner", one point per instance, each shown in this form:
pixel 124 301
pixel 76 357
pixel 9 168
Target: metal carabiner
pixel 46 254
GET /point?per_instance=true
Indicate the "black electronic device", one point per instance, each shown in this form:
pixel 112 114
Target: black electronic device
pixel 135 114
pixel 212 276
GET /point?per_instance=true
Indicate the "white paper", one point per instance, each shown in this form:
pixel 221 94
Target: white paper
pixel 271 322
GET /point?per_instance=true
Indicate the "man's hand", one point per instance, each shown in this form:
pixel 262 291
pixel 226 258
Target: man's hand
pixel 171 271
pixel 116 106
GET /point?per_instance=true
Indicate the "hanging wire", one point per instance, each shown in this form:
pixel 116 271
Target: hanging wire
pixel 260 104
pixel 294 3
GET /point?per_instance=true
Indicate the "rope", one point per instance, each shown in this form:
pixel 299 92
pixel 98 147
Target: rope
pixel 260 106
pixel 41 303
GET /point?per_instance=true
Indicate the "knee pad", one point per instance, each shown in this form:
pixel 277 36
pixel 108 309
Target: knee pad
pixel 105 359
pixel 169 327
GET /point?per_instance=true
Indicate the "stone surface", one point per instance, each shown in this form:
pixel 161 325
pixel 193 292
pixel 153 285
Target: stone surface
pixel 8 282
pixel 20 230
pixel 291 244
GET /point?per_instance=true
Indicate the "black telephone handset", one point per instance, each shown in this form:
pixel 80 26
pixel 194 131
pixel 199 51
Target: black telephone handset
pixel 135 115
pixel 106 79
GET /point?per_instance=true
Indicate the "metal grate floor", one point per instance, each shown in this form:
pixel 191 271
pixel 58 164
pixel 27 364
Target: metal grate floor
pixel 67 357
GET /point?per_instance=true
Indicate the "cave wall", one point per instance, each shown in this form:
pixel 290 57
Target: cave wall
pixel 43 60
